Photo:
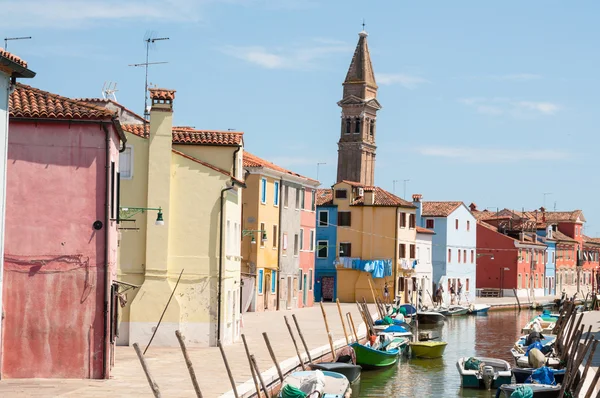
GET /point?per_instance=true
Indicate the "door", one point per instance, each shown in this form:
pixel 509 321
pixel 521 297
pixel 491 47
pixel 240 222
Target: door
pixel 327 287
pixel 304 289
pixel 290 292
pixel 267 294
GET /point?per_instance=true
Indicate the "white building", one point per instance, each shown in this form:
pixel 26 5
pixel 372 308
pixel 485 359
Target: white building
pixel 424 268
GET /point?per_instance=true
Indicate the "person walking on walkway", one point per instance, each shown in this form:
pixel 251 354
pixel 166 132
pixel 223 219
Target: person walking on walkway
pixel 452 295
pixel 459 292
pixel 386 293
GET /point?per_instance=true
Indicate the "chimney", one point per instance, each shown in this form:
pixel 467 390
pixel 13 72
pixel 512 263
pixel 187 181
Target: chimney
pixel 419 205
pixel 473 207
pixel 543 210
pixel 369 197
pixel 159 176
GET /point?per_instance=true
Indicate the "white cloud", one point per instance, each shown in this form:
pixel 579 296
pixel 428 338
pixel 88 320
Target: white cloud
pixel 406 81
pixel 498 106
pixel 287 58
pixel 492 155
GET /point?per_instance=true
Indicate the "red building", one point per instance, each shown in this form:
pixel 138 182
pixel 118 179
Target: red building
pixel 61 237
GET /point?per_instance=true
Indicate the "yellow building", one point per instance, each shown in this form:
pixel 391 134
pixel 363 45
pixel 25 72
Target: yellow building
pixel 195 179
pixel 374 229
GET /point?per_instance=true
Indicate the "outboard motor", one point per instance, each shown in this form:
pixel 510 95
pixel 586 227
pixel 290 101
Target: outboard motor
pixel 488 376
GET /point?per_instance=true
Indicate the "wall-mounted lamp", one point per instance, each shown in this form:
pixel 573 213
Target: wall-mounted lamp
pixel 126 213
pixel 250 232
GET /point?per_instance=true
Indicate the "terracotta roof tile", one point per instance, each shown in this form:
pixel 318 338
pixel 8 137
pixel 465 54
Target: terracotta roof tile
pixel 136 129
pixel 12 57
pixel 421 230
pixel 353 183
pixel 564 216
pixel 94 101
pixel 189 136
pixel 162 94
pixel 324 197
pixel 251 160
pixel 382 198
pixel 29 102
pixel 439 209
pixel 559 236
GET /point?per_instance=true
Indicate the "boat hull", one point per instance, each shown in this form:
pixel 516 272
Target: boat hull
pixel 352 372
pixel 472 381
pixel 336 384
pixel 428 350
pixel 522 374
pixel 539 390
pixel 431 318
pixel 475 379
pixel 369 358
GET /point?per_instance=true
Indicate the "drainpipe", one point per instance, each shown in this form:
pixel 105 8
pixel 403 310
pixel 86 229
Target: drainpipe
pixel 106 356
pixel 279 243
pixel 234 160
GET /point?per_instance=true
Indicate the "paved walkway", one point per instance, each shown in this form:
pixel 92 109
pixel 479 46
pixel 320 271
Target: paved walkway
pixel 169 369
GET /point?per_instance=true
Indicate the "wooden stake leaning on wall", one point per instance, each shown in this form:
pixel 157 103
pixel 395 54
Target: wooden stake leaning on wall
pixel 272 354
pixel 587 367
pixel 351 323
pixel 593 384
pixel 333 356
pixel 294 341
pixel 302 337
pixel 374 298
pixel 368 315
pixel 235 393
pixel 254 378
pixel 257 371
pixel 567 381
pixel 360 311
pixel 573 368
pixel 342 320
pixel 153 385
pixel 188 363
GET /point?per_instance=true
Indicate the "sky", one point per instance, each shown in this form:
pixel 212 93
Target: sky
pixel 488 102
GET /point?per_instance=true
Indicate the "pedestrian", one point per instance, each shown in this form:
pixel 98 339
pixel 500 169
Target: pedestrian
pixel 459 291
pixel 452 295
pixel 386 293
pixel 439 295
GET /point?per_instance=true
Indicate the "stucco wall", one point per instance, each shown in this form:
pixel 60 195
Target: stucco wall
pixel 462 239
pixel 4 94
pixel 424 268
pixel 325 267
pixel 307 255
pixel 289 263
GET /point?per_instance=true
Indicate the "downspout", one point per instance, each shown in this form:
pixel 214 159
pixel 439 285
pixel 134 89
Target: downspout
pixel 235 160
pixel 279 232
pixel 106 357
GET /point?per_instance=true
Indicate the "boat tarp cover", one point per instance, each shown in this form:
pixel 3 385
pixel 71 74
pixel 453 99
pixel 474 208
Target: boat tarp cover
pixel 395 329
pixel 289 391
pixel 472 364
pixel 543 375
pixel 522 392
pixel 536 344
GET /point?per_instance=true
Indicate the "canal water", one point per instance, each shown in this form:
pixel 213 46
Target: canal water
pixel 491 335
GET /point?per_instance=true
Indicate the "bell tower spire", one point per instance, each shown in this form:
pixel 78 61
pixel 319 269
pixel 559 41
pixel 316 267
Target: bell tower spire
pixel 356 147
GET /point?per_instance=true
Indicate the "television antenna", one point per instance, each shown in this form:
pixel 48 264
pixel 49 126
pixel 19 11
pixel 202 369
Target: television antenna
pixel 7 39
pixel 108 91
pixel 149 39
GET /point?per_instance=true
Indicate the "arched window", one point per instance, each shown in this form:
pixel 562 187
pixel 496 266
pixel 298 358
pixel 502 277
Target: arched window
pixel 348 125
pixel 357 126
pixel 372 129
pixel 519 282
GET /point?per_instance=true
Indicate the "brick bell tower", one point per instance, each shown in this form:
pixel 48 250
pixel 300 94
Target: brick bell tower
pixel 356 147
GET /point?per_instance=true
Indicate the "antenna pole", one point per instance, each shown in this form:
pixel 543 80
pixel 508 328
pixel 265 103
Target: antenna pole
pixel 146 81
pixel 6 39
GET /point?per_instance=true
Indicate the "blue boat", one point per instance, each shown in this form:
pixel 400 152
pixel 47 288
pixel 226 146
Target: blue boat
pixel 479 309
pixel 409 308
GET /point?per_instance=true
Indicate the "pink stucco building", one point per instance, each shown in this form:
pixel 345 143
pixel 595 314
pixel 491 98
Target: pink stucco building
pixel 61 237
pixel 308 220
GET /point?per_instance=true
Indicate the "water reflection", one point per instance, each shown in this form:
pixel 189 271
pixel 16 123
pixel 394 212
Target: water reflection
pixel 492 336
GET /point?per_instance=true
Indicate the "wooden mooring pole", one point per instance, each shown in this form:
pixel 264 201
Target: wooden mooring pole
pixel 254 378
pixel 300 359
pixel 302 338
pixel 153 385
pixel 231 380
pixel 272 354
pixel 189 364
pixel 342 320
pixel 262 381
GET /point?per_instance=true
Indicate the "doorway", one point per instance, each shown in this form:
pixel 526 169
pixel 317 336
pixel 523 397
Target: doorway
pixel 267 295
pixel 290 292
pixel 304 289
pixel 327 287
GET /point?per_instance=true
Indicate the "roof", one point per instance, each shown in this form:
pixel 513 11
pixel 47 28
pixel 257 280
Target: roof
pixel 559 236
pixel 382 198
pixel 110 101
pixel 190 136
pixel 564 216
pixel 587 239
pixel 421 230
pixel 12 57
pixel 210 166
pixel 528 238
pixel 353 183
pixel 361 69
pixel 162 94
pixel 28 102
pixel 439 209
pixel 324 197
pixel 254 161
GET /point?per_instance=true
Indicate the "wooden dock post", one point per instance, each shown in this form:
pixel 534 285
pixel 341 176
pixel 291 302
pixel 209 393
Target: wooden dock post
pixel 294 341
pixel 342 320
pixel 302 338
pixel 351 323
pixel 231 380
pixel 262 381
pixel 272 354
pixel 153 385
pixel 328 333
pixel 517 297
pixel 587 367
pixel 188 363
pixel 251 366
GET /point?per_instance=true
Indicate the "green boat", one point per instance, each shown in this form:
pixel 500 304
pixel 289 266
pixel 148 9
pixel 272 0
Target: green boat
pixel 369 358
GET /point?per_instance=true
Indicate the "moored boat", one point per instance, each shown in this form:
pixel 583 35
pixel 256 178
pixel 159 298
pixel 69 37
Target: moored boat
pixel 539 390
pixel 322 384
pixel 522 374
pixel 351 371
pixel 430 317
pixel 428 349
pixel 540 325
pixel 479 309
pixel 397 331
pixel 480 372
pixel 456 310
pixel 370 358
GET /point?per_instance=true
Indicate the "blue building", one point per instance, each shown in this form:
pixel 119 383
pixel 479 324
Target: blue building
pixel 326 240
pixel 454 245
pixel 550 263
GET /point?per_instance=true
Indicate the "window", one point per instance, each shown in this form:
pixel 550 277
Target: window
pixel 468 225
pixel 310 279
pixel 276 193
pixel 263 190
pixel 472 256
pixel 519 283
pixel 459 256
pixel 302 199
pixel 297 199
pixel 275 236
pixel 126 163
pixel 341 194
pixel 345 250
pixel 372 129
pixel 456 223
pixel 284 242
pixel 300 279
pixel 412 251
pixel 553 257
pixel 312 240
pixel 323 218
pixel 313 200
pixel 357 126
pixel 402 220
pixel 527 281
pixel 260 281
pixel 322 249
pixel 449 255
pixel 301 238
pixel 429 224
pixel 344 219
pixel 273 281
pixel 401 250
pixel 347 125
pixel 465 256
pixel 412 221
pixel 286 196
pixel 262 233
pixel 296 245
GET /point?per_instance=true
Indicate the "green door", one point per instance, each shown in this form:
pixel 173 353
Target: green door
pixel 304 290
